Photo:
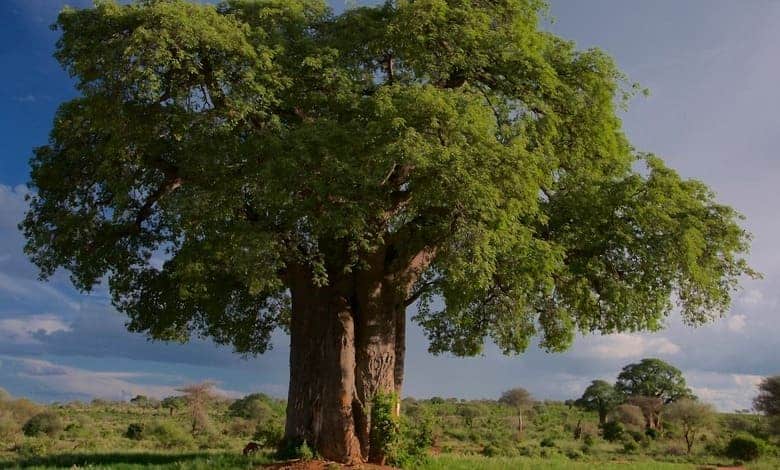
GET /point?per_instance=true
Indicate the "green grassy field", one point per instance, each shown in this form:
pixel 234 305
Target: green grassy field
pixel 469 435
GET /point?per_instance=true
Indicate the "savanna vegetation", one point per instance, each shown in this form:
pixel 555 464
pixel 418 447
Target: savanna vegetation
pixel 514 431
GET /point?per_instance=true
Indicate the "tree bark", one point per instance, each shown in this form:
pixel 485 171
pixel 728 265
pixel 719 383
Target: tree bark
pixel 345 340
pixel 322 396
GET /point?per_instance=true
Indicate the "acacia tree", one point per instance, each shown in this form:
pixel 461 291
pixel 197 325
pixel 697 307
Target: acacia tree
pixel 232 169
pixel 600 396
pixel 519 399
pixel 692 416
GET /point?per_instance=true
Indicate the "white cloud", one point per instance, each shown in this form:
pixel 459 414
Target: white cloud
pixel 727 391
pixel 112 385
pixel 736 323
pixel 24 330
pixel 752 297
pixel 627 345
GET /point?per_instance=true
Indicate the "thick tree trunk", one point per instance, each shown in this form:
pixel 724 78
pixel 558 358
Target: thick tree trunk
pixel 344 340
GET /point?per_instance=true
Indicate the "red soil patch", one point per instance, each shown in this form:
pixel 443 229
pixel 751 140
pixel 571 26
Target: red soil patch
pixel 323 465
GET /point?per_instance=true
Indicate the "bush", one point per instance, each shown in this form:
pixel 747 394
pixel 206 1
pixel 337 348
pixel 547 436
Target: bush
pixel 630 446
pixel 612 431
pixel 31 448
pixel 652 433
pixel 269 434
pixel 48 423
pixel 744 448
pixel 588 440
pixel 295 450
pixel 135 431
pixel 547 442
pixel 8 426
pixel 169 435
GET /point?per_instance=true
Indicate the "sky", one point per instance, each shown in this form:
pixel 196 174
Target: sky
pixel 712 68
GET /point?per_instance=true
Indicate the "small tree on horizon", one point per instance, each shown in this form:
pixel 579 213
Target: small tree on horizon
pixel 600 396
pixel 521 400
pixel 197 397
pixel 692 416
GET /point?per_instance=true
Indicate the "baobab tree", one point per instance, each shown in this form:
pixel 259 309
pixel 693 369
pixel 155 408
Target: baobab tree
pixel 259 164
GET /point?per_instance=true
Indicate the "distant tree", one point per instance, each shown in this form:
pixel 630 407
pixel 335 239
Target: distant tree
pixel 651 407
pixel 47 422
pixel 4 395
pixel 629 415
pixel 692 416
pixel 653 378
pixel 198 396
pixel 173 403
pixel 768 399
pixel 144 401
pixel 600 396
pixel 520 399
pixel 517 398
pixel 257 407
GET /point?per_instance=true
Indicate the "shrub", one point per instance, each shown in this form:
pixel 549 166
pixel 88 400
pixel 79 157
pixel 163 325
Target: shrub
pixel 652 433
pixel 547 442
pixel 588 440
pixel 269 434
pixel 745 448
pixel 240 427
pixel 48 423
pixel 8 426
pixel 630 446
pixel 31 448
pixel 169 435
pixel 135 431
pixel 295 450
pixel 612 431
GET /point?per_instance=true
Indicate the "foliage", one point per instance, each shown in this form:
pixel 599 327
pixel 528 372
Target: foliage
pixel 692 416
pixel 143 400
pixel 269 433
pixel 169 435
pixel 601 397
pixel 653 378
pixel 173 403
pixel 135 431
pixel 629 415
pixel 744 448
pixel 612 431
pixel 242 138
pixel 257 406
pixel 768 399
pixel 197 397
pixel 46 423
pixel 517 398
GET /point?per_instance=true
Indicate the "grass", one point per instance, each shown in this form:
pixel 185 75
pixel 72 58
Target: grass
pixel 141 460
pixel 457 462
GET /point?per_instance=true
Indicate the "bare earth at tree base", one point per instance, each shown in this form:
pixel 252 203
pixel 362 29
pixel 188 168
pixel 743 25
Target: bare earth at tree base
pixel 322 465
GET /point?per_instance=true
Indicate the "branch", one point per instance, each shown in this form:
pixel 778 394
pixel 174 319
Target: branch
pixel 421 289
pixel 146 210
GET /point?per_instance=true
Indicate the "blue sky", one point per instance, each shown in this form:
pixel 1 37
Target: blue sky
pixel 712 69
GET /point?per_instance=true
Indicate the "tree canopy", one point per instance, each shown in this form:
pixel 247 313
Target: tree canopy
pixel 211 148
pixel 653 378
pixel 768 399
pixel 517 397
pixel 600 396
